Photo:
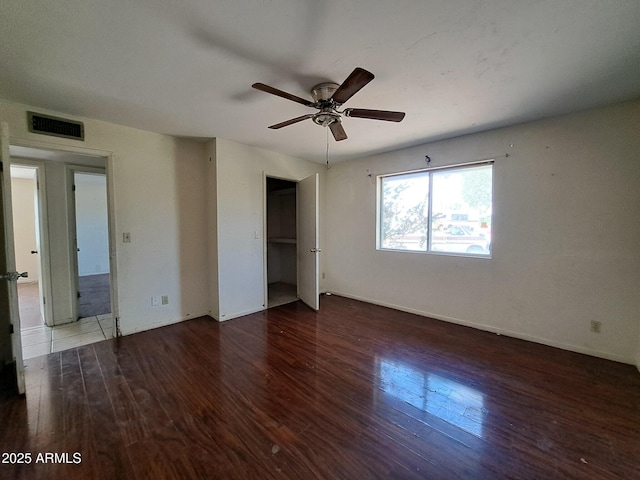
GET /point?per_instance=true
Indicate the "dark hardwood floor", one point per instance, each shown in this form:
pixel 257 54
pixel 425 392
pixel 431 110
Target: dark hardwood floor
pixel 354 391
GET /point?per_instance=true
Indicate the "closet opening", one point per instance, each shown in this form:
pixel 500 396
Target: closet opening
pixel 281 244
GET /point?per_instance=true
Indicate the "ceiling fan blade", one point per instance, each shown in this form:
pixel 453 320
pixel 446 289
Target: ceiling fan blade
pixel 290 122
pixel 280 93
pixel 354 82
pixel 374 114
pixel 338 131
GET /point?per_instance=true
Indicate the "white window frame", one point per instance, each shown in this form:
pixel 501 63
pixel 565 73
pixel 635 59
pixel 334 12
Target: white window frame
pixel 429 251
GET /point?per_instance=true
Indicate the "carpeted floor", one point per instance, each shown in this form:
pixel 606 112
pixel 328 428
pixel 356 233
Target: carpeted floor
pixel 95 295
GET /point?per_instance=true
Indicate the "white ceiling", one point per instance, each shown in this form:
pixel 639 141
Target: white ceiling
pixel 185 67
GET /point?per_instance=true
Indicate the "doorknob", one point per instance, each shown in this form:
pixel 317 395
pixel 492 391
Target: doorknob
pixel 34 251
pixel 13 276
pixel 315 250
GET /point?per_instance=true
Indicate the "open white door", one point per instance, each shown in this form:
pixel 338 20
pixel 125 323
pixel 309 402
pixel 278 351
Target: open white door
pixel 308 251
pixel 8 275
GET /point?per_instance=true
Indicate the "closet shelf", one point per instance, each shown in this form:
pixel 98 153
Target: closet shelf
pixel 284 191
pixel 282 240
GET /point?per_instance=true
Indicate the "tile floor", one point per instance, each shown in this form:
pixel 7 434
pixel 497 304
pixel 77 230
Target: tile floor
pixel 42 340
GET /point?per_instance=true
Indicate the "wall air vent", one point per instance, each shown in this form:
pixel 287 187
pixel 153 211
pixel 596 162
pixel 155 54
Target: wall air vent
pixel 57 127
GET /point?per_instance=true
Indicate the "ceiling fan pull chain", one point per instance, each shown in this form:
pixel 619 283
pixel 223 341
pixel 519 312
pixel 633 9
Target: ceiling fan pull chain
pixel 327 155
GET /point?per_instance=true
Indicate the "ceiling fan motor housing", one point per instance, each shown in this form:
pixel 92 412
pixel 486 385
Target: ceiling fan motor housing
pixel 321 95
pixel 323 91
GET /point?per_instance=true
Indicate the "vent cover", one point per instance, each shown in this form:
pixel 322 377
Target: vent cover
pixel 54 126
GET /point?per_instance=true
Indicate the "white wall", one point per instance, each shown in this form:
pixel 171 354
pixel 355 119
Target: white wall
pixel 565 235
pixel 63 288
pixel 23 192
pixel 159 192
pixel 92 224
pixel 239 176
pixel 565 231
pixel 212 228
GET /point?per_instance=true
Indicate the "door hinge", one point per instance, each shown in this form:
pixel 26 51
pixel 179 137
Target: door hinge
pixel 1 167
pixel 11 329
pixel 78 293
pixel 73 188
pixel 44 300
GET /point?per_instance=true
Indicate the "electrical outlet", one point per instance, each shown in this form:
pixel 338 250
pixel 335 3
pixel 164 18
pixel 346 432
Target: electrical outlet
pixel 126 237
pixel 155 301
pixel 595 326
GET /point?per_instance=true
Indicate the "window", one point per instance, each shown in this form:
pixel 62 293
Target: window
pixel 444 210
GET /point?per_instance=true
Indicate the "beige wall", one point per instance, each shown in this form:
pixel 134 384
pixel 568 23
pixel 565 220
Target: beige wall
pixel 212 228
pixel 23 191
pixel 239 179
pixel 92 224
pixel 565 235
pixel 565 230
pixel 158 192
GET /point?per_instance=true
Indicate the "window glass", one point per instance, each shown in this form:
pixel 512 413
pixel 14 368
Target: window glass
pixel 445 210
pixel 405 212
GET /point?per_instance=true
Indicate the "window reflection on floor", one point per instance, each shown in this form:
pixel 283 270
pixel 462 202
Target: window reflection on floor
pixel 456 404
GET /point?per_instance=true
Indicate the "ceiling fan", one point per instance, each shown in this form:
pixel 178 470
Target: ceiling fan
pixel 327 98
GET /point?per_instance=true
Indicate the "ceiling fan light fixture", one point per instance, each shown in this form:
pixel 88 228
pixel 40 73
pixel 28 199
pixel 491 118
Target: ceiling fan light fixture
pixel 326 118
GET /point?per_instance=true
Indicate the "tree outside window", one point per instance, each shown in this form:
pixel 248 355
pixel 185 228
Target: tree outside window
pixel 445 210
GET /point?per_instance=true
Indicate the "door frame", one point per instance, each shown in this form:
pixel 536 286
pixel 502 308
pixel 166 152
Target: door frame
pixel 265 240
pixel 265 272
pixel 43 243
pixel 73 225
pixel 8 240
pixel 109 169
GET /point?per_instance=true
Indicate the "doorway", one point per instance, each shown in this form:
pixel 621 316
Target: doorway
pixel 27 230
pixel 281 223
pixel 63 320
pixel 90 232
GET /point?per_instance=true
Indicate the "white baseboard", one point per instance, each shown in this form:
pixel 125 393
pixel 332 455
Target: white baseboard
pixel 230 316
pixel 164 323
pixel 497 331
pixel 64 321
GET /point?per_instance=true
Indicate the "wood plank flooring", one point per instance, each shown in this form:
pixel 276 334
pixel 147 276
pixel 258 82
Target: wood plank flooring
pixel 354 391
